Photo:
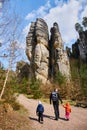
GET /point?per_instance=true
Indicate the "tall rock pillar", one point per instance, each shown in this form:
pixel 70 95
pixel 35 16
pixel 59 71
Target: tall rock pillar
pixel 58 57
pixel 37 49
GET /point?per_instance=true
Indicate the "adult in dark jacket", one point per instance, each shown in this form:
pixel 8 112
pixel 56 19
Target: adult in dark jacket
pixel 39 111
pixel 55 101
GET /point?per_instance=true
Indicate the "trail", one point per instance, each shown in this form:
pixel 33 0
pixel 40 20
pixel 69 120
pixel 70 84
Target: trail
pixel 78 118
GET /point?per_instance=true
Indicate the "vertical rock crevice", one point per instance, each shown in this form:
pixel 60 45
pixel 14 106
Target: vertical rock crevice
pixel 46 56
pixel 58 57
pixel 37 50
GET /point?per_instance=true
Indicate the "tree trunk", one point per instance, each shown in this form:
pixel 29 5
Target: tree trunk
pixel 2 92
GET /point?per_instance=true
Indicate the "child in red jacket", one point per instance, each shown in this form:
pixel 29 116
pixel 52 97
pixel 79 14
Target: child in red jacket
pixel 67 110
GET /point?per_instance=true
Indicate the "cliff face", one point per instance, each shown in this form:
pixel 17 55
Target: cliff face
pixel 37 50
pixel 46 56
pixel 83 45
pixel 80 47
pixel 22 70
pixel 58 57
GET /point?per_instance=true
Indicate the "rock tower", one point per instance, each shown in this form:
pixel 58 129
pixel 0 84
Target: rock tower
pixel 37 49
pixel 46 55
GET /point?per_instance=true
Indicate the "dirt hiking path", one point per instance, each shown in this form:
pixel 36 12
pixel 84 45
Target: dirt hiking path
pixel 78 120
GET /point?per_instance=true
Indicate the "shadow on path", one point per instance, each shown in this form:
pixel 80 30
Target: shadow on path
pixel 47 116
pixel 31 118
pixel 61 118
pixel 44 116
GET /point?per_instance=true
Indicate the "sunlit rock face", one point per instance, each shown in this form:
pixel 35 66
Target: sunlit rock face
pixel 46 55
pixel 37 49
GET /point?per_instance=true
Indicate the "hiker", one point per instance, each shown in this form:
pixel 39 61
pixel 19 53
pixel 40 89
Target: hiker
pixel 55 97
pixel 39 111
pixel 67 110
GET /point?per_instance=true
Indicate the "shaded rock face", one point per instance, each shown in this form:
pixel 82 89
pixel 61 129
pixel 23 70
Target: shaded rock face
pixel 83 45
pixel 58 57
pixel 79 48
pixel 75 49
pixel 22 70
pixel 46 56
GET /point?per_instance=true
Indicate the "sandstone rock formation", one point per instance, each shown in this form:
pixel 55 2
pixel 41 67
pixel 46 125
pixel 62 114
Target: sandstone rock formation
pixel 37 49
pixel 58 57
pixel 79 48
pixel 46 55
pixel 22 70
pixel 83 45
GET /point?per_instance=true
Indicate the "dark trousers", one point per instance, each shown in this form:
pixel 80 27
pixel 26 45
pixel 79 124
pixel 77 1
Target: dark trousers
pixel 56 109
pixel 40 116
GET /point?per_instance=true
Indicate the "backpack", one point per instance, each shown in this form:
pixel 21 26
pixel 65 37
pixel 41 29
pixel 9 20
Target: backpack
pixel 54 96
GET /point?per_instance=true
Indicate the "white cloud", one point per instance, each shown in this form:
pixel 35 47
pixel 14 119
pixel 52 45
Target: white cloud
pixel 0 4
pixel 30 16
pixel 41 12
pixel 26 30
pixel 0 8
pixel 84 13
pixel 59 2
pixel 65 14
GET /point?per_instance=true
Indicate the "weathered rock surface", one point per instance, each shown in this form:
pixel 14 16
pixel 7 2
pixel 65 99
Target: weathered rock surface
pixel 79 48
pixel 58 57
pixel 46 56
pixel 22 70
pixel 37 50
pixel 83 45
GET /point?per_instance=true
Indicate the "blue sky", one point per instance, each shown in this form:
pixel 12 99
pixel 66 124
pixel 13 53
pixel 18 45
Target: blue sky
pixel 65 12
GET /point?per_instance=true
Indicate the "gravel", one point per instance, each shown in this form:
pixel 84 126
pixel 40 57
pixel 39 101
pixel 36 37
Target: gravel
pixel 78 117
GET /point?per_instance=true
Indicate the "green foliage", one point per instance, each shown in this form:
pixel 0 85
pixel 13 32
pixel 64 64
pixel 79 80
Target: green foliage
pixel 22 87
pixel 84 22
pixel 79 79
pixel 74 66
pixel 59 78
pixel 8 95
pixel 78 27
pixel 10 98
pixel 2 77
pixel 83 78
pixel 35 88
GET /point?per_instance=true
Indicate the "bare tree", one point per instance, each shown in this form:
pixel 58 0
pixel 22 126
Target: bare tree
pixel 9 68
pixel 10 33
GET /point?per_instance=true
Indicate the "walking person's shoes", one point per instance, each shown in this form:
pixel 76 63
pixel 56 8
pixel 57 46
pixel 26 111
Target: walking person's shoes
pixel 41 122
pixel 38 120
pixel 67 119
pixel 56 119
